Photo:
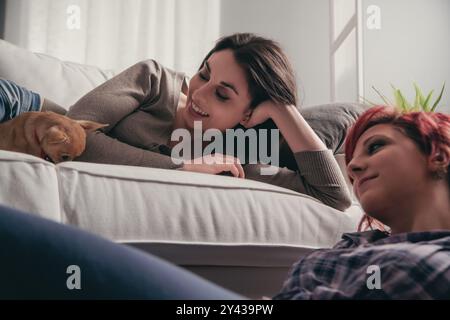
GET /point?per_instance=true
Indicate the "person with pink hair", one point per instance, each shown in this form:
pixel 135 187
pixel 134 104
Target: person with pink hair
pixel 398 164
pixel 410 178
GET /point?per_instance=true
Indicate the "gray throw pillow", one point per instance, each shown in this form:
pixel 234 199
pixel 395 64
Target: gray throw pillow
pixel 330 122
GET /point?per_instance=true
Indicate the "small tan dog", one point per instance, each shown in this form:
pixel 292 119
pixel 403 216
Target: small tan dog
pixel 47 135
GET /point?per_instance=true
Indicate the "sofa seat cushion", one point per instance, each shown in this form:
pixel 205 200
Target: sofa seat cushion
pixel 156 206
pixel 30 184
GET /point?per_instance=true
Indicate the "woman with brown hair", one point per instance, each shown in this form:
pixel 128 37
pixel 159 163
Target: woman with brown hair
pixel 245 81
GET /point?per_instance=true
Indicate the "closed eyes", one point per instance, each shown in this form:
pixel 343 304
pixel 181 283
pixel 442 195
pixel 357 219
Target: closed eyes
pixel 220 96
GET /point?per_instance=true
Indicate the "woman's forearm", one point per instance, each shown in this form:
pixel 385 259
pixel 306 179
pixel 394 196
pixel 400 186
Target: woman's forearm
pixel 297 132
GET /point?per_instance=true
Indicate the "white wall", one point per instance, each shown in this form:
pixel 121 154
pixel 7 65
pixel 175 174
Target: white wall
pixel 413 45
pixel 302 29
pixel 116 34
pixel 345 80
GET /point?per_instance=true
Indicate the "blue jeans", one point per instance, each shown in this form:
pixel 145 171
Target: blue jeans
pixel 15 100
pixel 41 259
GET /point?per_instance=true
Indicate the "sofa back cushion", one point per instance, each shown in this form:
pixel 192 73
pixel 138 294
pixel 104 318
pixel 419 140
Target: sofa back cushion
pixel 60 81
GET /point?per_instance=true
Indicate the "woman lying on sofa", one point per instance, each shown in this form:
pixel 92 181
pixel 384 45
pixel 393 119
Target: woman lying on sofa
pixel 244 81
pixel 398 164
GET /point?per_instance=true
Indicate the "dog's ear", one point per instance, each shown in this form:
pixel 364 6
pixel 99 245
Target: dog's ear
pixel 90 126
pixel 55 135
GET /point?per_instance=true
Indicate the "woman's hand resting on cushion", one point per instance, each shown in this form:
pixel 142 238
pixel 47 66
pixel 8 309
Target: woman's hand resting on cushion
pixel 215 164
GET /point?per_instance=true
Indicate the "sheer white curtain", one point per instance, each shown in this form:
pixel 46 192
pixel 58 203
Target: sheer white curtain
pixel 116 33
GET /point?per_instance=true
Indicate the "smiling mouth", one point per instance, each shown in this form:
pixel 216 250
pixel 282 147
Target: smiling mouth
pixel 364 180
pixel 196 110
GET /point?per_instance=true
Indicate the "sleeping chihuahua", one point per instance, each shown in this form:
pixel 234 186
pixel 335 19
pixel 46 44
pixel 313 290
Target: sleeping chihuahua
pixel 47 135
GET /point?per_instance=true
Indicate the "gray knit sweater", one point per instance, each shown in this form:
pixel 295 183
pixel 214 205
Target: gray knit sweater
pixel 139 105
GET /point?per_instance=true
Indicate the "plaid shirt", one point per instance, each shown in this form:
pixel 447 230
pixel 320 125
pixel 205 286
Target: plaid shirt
pixel 408 266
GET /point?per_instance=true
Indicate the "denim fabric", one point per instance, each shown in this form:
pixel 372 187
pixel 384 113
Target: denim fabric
pixel 15 100
pixel 36 256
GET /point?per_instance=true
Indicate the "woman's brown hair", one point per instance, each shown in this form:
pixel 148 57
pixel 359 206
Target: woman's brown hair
pixel 269 73
pixel 270 76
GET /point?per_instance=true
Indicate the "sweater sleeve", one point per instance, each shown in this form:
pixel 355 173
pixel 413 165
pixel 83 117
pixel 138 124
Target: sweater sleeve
pixel 111 102
pixel 121 95
pixel 101 148
pixel 319 176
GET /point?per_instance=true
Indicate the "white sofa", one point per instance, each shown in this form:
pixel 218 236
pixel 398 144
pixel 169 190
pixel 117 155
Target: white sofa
pixel 242 234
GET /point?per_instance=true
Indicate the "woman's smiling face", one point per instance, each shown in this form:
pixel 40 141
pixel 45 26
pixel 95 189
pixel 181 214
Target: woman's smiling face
pixel 387 168
pixel 218 94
